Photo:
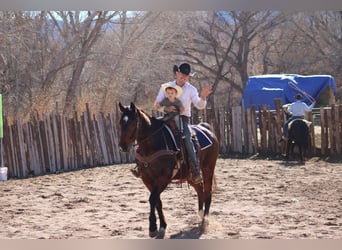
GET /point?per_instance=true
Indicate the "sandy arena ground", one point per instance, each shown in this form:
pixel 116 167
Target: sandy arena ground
pixel 254 199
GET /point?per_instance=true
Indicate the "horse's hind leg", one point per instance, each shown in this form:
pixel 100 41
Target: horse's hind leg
pixel 208 176
pixel 200 196
pixel 207 202
pixel 287 152
pixel 301 153
pixel 207 192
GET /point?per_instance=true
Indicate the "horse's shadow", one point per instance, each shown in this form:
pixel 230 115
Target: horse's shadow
pixel 192 233
pixel 292 163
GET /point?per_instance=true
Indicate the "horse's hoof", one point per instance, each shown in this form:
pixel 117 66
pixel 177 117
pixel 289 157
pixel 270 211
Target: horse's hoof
pixel 205 222
pixel 153 234
pixel 161 233
pixel 201 214
pixel 204 226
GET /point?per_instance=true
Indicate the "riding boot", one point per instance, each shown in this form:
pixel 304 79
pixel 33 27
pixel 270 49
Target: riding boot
pixel 196 173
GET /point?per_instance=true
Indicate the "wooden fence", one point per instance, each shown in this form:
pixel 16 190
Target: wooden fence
pixel 259 131
pixel 50 143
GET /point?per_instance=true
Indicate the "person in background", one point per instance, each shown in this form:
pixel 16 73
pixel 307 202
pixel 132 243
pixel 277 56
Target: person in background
pixel 296 110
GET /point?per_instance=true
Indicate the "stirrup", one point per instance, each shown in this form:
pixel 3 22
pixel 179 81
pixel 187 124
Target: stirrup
pixel 197 179
pixel 196 176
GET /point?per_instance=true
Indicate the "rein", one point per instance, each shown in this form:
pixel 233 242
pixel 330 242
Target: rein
pixel 147 137
pixel 149 159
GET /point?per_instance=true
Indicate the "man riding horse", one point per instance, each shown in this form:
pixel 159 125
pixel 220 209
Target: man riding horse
pixel 296 128
pixel 296 110
pixel 189 96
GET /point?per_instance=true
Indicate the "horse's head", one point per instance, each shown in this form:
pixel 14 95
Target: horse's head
pixel 128 125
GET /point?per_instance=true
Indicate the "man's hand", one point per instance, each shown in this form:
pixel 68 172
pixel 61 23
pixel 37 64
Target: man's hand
pixel 157 105
pixel 206 91
pixel 170 109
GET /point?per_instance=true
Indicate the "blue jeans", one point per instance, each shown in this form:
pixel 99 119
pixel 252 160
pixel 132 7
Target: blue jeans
pixel 179 122
pixel 189 144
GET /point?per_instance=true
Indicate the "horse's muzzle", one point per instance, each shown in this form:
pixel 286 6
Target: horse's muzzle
pixel 124 147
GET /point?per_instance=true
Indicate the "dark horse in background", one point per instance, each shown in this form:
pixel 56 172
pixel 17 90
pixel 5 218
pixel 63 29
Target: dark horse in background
pixel 298 135
pixel 158 158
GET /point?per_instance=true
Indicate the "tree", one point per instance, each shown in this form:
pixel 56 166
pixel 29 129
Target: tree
pixel 80 34
pixel 44 54
pixel 137 57
pixel 23 39
pixel 99 57
pixel 222 44
pixel 323 32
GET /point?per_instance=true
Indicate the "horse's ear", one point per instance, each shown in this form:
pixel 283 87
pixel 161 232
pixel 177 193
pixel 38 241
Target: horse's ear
pixel 121 107
pixel 132 106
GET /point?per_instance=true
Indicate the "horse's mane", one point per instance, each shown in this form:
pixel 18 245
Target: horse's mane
pixel 156 126
pixel 145 116
pixel 150 119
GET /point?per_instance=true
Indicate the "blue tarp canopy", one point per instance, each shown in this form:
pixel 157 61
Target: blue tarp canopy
pixel 263 89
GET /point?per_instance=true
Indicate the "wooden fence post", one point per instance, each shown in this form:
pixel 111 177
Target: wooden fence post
pixel 339 129
pixel 236 127
pixel 263 128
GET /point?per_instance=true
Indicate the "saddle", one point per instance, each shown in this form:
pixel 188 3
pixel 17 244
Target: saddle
pixel 201 138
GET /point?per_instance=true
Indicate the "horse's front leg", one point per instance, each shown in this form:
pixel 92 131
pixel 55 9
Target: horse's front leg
pixel 155 203
pixel 163 224
pixel 152 218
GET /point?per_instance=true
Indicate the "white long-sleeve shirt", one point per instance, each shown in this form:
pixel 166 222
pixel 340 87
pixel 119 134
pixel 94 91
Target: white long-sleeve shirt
pixel 189 95
pixel 298 108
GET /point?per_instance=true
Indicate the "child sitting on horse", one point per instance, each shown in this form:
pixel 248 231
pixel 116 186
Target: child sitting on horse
pixel 172 92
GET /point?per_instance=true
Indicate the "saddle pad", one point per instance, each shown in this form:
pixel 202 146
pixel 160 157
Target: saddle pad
pixel 203 138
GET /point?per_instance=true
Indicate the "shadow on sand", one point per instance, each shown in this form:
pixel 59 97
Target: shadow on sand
pixel 292 163
pixel 192 233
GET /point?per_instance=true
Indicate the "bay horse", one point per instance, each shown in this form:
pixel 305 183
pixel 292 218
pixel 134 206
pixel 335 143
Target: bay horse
pixel 157 158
